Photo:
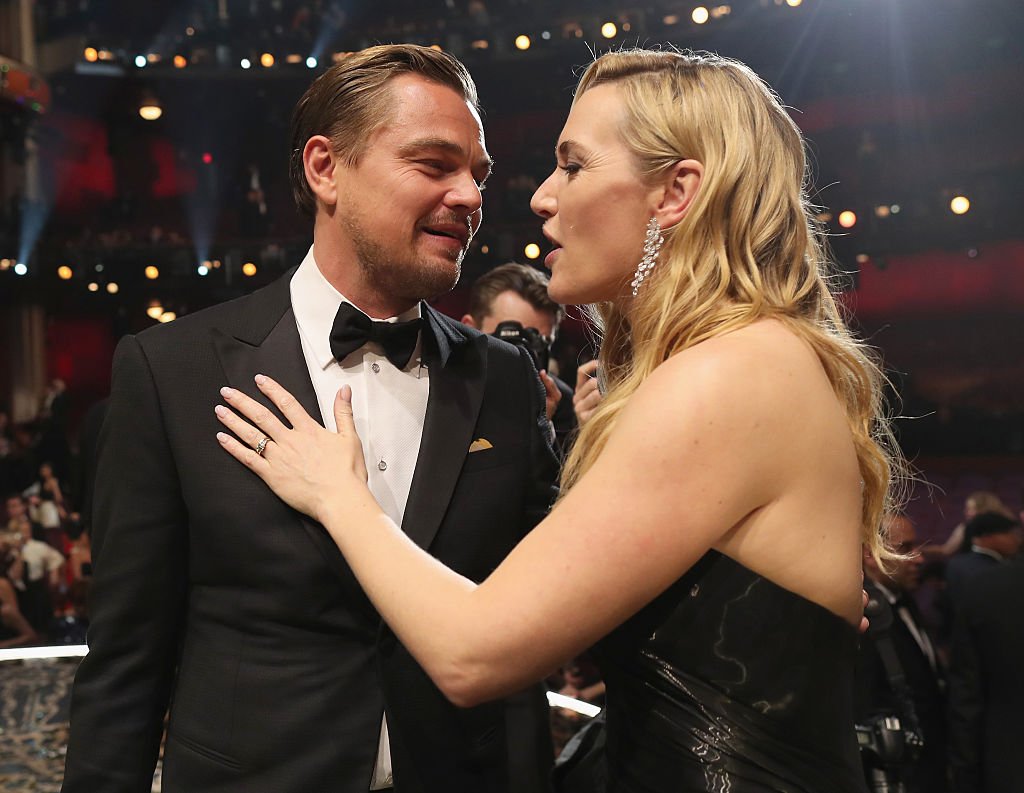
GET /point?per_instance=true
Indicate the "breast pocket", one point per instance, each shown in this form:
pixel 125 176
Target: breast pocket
pixel 493 457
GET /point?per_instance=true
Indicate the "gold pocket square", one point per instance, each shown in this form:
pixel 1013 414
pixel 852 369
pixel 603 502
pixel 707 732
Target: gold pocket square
pixel 479 445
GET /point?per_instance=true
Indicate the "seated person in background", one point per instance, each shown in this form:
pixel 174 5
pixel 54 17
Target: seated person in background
pixel 918 663
pixel 42 566
pixel 519 293
pixel 15 630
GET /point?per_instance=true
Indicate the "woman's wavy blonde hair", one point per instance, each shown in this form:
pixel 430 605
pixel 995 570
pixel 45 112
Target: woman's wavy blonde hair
pixel 748 248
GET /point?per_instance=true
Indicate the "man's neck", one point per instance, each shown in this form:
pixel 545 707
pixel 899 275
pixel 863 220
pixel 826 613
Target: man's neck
pixel 343 273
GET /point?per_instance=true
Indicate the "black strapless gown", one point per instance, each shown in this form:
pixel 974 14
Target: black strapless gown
pixel 728 683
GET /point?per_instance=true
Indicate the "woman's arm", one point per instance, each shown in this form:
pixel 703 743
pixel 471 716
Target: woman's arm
pixel 13 618
pixel 694 452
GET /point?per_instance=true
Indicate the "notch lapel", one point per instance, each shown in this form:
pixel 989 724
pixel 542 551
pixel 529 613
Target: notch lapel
pixel 457 379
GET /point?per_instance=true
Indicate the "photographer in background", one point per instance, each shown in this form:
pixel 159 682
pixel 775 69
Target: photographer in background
pixel 900 675
pixel 511 302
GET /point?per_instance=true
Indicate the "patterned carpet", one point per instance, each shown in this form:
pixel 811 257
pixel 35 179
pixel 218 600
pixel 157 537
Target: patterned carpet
pixel 34 699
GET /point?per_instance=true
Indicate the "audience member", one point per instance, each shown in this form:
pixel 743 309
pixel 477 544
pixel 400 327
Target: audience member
pixel 41 565
pixel 986 690
pixel 880 689
pixel 993 537
pixel 976 503
pixel 519 293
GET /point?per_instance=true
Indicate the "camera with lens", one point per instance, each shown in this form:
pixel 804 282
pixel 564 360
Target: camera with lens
pixel 887 749
pixel 529 339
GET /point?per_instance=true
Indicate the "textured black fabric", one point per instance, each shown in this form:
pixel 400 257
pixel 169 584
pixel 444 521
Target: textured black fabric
pixel 728 682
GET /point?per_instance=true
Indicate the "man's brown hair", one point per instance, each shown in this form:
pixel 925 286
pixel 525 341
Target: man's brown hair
pixel 349 101
pixel 527 282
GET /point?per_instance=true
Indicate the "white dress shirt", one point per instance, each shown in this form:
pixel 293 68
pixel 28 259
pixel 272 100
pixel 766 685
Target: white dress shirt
pixel 388 407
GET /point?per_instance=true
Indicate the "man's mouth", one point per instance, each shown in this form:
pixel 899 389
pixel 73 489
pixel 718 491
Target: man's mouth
pixel 450 230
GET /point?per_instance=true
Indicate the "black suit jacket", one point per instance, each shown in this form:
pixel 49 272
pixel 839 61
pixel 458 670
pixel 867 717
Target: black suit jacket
pixel 213 597
pixel 986 682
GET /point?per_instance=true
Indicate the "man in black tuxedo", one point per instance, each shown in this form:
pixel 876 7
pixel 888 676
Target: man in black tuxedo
pixel 214 598
pixel 986 677
pixel 915 655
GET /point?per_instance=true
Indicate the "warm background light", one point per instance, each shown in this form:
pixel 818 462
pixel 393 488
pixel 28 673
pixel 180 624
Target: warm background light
pixel 113 288
pixel 64 272
pixel 249 269
pixel 93 286
pixel 151 112
pixel 522 42
pixel 91 54
pixel 700 15
pixel 180 62
pixel 532 251
pixel 266 60
pixel 155 311
pixel 152 272
pixel 847 219
pixel 608 30
pixel 960 205
pixel 168 316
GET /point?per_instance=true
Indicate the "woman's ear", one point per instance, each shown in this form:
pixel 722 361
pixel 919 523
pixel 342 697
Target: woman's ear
pixel 319 162
pixel 679 188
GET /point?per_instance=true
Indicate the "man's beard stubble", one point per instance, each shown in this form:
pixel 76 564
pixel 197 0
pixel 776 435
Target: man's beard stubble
pixel 407 280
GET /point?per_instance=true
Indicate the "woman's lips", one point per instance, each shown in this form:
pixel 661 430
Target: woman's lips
pixel 549 260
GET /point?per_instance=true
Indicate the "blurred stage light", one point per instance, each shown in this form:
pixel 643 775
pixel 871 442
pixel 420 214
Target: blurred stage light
pixel 207 158
pixel 6 263
pixel 152 272
pixel 959 205
pixel 245 63
pixel 532 251
pixel 168 316
pixel 608 30
pixel 293 58
pixel 266 60
pixel 863 258
pixel 150 108
pixel 485 249
pixel 91 54
pixel 670 19
pixel 113 288
pixel 249 269
pixel 546 35
pixel 847 219
pixel 93 286
pixel 793 3
pixel 64 273
pixel 140 60
pixel 436 48
pixel 700 15
pixel 480 44
pixel 155 310
pixel 203 269
pixel 190 31
pixel 20 268
pixel 180 61
pixel 311 62
pixel 895 209
pixel 522 42
pixel 882 211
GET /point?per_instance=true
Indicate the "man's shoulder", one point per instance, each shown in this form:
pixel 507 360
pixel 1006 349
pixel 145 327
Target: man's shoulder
pixel 261 307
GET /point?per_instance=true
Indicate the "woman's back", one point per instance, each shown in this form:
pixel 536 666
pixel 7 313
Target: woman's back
pixel 728 682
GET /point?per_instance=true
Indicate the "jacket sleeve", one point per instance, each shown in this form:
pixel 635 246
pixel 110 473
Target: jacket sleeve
pixel 137 602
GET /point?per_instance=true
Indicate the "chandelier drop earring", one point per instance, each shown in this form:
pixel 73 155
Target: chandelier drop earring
pixel 652 246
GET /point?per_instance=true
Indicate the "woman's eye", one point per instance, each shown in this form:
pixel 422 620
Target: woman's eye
pixel 570 168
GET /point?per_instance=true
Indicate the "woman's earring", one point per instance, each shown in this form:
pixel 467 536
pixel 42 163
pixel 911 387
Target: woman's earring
pixel 652 246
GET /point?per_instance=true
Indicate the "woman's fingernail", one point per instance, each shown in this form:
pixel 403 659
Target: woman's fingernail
pixel 260 379
pixel 220 410
pixel 227 393
pixel 222 437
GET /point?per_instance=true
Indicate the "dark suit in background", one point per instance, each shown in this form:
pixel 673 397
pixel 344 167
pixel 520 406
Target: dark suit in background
pixel 213 597
pixel 986 678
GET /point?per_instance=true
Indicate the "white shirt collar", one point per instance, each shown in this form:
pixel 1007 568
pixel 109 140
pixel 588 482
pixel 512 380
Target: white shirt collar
pixel 988 552
pixel 315 303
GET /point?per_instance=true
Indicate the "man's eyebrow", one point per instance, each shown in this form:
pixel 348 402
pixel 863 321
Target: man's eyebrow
pixel 484 164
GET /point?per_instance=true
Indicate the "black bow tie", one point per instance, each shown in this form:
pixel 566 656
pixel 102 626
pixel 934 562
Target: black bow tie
pixel 352 329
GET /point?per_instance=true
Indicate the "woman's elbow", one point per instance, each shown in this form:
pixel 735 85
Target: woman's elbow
pixel 467 684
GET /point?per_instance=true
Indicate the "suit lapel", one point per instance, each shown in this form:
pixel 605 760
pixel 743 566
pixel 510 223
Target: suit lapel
pixel 262 338
pixel 458 370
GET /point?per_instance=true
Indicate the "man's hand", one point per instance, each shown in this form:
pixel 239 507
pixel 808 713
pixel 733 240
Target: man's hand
pixel 587 397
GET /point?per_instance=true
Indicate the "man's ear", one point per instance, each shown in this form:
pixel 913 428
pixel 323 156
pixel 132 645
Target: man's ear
pixel 679 188
pixel 319 163
pixel 467 319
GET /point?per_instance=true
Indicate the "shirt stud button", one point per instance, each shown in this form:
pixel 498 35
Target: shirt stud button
pixel 375 366
pixel 382 465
